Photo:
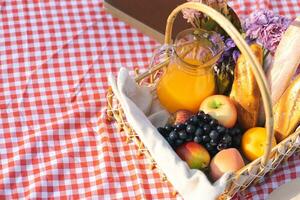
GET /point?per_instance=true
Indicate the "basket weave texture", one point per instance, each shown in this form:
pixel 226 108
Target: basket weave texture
pixel 252 172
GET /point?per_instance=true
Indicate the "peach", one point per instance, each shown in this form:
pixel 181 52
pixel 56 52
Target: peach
pixel 195 155
pixel 227 160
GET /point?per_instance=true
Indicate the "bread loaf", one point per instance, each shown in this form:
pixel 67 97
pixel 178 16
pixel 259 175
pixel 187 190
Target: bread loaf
pixel 286 61
pixel 245 92
pixel 287 111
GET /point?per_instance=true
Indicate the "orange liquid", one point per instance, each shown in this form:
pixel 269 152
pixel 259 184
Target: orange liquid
pixel 179 89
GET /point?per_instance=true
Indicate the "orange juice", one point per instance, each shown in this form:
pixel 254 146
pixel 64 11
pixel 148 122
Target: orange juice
pixel 183 89
pixel 189 77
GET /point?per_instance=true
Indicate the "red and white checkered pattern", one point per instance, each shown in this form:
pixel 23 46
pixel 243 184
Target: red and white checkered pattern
pixel 55 57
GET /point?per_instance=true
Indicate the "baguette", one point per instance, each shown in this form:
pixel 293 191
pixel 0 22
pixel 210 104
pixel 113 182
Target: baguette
pixel 287 111
pixel 286 61
pixel 245 92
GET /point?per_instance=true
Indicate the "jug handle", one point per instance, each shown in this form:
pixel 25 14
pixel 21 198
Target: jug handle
pixel 160 59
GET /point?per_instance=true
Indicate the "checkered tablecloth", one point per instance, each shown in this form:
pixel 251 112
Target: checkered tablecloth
pixel 54 143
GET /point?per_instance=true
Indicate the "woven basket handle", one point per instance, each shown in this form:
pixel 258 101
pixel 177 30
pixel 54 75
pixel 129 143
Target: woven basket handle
pixel 245 50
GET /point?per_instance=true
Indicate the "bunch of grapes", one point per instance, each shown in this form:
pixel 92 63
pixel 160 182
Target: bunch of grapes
pixel 202 129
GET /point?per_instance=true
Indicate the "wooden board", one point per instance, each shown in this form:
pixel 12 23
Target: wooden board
pixel 148 16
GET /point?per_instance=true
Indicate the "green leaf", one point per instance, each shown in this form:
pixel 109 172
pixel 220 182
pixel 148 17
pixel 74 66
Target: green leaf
pixel 224 77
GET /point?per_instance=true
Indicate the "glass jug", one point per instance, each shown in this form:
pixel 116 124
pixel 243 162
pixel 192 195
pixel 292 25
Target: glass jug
pixel 189 76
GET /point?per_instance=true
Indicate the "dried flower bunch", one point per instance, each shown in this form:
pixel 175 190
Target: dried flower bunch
pixel 262 26
pixel 194 17
pixel 266 27
pixel 198 20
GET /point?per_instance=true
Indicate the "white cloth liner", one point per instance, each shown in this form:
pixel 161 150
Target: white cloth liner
pixel 137 102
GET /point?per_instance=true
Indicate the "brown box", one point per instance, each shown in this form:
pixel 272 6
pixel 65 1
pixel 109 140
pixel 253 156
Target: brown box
pixel 149 16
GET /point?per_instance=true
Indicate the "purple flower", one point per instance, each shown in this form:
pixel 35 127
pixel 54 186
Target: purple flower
pixel 236 55
pixel 230 50
pixel 266 27
pixel 229 43
pixel 297 71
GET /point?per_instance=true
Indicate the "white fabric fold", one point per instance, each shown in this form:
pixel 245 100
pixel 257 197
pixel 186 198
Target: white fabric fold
pixel 137 102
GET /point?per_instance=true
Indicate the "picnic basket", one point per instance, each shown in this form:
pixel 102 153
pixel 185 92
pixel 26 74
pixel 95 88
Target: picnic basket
pixel 254 171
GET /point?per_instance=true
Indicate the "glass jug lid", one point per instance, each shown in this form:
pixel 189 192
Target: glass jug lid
pixel 198 47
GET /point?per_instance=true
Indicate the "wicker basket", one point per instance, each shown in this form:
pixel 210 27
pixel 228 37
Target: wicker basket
pixel 257 169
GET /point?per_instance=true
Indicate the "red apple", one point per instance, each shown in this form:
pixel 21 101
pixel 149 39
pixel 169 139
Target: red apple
pixel 181 116
pixel 196 156
pixel 221 108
